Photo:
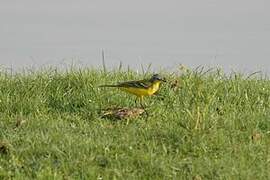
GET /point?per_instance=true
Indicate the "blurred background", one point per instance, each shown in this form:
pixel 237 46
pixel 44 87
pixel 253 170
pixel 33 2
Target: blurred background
pixel 232 34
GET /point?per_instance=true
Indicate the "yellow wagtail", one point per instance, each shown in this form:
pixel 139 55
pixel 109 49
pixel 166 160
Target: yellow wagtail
pixel 141 88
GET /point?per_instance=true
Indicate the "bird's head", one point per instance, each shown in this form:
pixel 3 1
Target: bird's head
pixel 157 78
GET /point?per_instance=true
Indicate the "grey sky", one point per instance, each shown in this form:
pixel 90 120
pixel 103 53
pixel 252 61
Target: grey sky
pixel 234 34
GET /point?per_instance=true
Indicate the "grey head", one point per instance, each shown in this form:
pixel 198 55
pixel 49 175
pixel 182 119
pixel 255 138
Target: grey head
pixel 157 77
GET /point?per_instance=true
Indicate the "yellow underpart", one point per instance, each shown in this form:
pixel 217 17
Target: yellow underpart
pixel 140 92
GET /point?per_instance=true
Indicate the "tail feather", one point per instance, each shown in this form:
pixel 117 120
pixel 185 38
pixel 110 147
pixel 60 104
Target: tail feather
pixel 108 85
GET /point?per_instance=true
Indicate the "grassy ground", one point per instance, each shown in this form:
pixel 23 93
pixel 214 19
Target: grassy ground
pixel 200 126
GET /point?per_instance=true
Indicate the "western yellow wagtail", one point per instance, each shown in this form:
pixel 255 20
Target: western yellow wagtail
pixel 141 88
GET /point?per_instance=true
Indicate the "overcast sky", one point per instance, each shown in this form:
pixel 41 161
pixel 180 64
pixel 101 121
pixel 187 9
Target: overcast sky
pixel 234 34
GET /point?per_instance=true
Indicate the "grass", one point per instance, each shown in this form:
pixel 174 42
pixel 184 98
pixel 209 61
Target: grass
pixel 202 125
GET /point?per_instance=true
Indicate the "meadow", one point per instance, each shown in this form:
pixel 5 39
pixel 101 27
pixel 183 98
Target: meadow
pixel 203 124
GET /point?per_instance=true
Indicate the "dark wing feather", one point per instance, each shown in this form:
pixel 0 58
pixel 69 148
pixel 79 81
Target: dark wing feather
pixel 135 84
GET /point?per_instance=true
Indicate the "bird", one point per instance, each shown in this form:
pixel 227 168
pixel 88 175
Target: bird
pixel 140 88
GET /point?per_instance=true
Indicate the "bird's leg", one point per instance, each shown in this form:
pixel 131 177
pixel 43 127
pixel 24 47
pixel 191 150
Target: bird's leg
pixel 143 106
pixel 136 100
pixel 141 102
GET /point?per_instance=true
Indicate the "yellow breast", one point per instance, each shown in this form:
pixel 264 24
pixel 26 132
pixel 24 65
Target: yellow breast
pixel 141 91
